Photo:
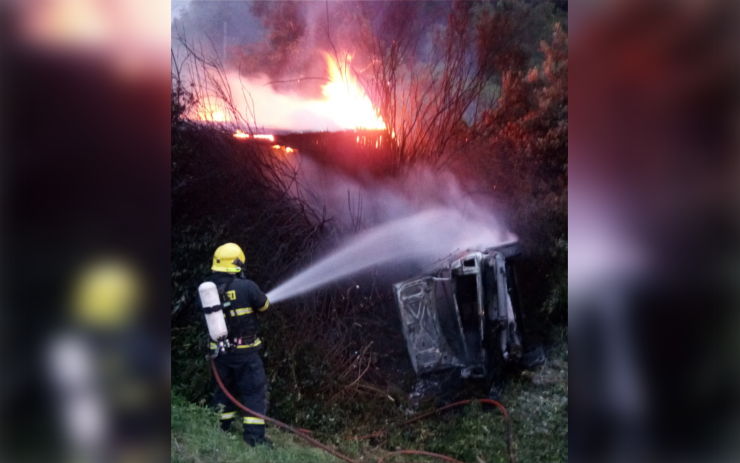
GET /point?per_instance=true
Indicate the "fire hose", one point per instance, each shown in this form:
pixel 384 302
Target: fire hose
pixel 277 423
pixel 303 433
pixel 495 403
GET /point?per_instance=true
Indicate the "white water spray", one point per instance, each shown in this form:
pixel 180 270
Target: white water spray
pixel 421 238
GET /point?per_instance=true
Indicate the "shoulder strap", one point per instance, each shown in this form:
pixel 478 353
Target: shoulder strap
pixel 223 288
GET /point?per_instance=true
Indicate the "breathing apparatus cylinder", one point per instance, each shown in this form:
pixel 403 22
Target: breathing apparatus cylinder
pixel 213 310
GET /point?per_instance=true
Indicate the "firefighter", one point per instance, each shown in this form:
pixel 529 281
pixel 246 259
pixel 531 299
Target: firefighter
pixel 241 368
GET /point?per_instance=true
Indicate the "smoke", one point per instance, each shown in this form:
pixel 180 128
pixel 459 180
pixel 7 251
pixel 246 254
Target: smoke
pixel 418 217
pixel 421 238
pixel 357 201
pixel 255 39
pixel 273 52
pixel 281 39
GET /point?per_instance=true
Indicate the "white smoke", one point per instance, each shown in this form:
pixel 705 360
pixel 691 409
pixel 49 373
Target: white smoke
pixel 418 218
pixel 422 238
pixel 372 200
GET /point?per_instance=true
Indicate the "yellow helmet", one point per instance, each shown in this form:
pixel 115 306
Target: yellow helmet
pixel 228 258
pixel 107 293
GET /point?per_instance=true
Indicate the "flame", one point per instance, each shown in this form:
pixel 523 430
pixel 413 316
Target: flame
pixel 346 100
pixel 264 136
pixel 242 135
pixel 210 110
pixel 285 149
pixel 343 104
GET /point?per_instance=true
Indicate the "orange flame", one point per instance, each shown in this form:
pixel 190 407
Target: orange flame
pixel 263 136
pixel 242 135
pixel 344 104
pixel 210 109
pixel 283 148
pixel 346 100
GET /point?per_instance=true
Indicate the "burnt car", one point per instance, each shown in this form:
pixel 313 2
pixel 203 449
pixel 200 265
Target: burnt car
pixel 464 315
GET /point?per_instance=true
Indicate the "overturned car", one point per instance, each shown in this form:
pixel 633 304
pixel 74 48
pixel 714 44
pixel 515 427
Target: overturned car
pixel 464 315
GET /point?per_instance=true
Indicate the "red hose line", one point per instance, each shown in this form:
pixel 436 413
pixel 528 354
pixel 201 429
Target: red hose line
pixel 277 423
pixel 457 404
pixel 495 403
pixel 421 416
pixel 420 452
pixel 302 433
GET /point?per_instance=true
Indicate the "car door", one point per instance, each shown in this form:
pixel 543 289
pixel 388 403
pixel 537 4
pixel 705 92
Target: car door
pixel 431 338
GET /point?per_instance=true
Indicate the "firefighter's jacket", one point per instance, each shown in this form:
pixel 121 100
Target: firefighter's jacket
pixel 242 299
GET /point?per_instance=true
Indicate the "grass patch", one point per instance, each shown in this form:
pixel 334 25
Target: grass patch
pixel 196 437
pixel 538 404
pixel 537 401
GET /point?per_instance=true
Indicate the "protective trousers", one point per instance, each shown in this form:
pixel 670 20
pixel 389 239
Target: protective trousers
pixel 243 374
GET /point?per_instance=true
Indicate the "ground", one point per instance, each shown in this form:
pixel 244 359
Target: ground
pixel 537 401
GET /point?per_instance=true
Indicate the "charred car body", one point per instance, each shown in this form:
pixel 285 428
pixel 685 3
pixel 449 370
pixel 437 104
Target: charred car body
pixel 465 315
